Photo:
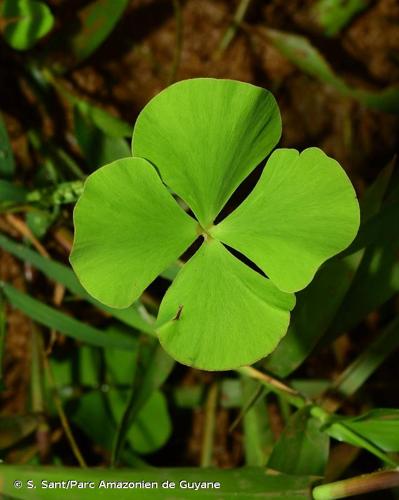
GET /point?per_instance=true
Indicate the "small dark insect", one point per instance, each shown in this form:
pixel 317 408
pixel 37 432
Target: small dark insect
pixel 178 314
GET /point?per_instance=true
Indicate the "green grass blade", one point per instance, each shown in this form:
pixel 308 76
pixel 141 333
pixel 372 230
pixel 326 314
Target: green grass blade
pixel 157 368
pixel 62 274
pixel 7 163
pixel 368 361
pixel 333 281
pixel 15 428
pixel 3 326
pixel 97 20
pixel 299 51
pixel 302 448
pixel 10 193
pixel 380 426
pixel 258 436
pixel 71 327
pixel 241 484
pixel 333 16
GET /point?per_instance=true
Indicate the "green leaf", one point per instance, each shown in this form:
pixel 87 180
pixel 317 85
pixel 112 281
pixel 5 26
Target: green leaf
pixel 152 426
pixel 320 301
pixel 7 163
pixel 242 484
pixel 97 147
pixel 16 427
pixel 97 20
pixel 40 221
pixel 9 192
pixel 205 136
pixel 107 123
pixel 258 436
pixel 157 367
pixel 62 193
pixel 80 39
pixel 302 211
pixel 121 365
pixel 56 320
pixel 190 134
pixel 28 21
pixel 62 274
pixel 302 447
pixel 230 393
pixel 299 51
pixel 219 314
pixel 343 433
pixel 377 278
pixel 89 366
pixel 124 241
pixel 334 15
pixel 380 426
pixel 191 396
pixel 373 198
pixel 333 280
pixel 368 361
pixel 3 330
pixel 92 417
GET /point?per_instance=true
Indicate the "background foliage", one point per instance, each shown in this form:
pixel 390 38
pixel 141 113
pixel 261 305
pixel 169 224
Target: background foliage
pixel 83 384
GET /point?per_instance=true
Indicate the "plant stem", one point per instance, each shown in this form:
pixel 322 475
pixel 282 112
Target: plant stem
pixel 357 485
pixel 228 36
pixel 209 428
pixel 260 392
pixel 299 400
pixel 294 397
pixel 37 396
pixel 365 364
pixel 63 418
pixel 24 231
pixel 3 324
pixel 178 43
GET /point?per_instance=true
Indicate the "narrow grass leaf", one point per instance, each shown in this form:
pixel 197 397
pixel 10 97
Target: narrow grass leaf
pixel 3 329
pixel 94 417
pixel 298 50
pixel 333 281
pixel 9 192
pixel 157 367
pixel 97 147
pixel 103 120
pixel 341 432
pixel 377 279
pixel 368 361
pixel 16 427
pixel 242 484
pixel 380 426
pixel 96 20
pixel 152 426
pixel 258 437
pixel 333 16
pixel 64 275
pixel 71 327
pixel 302 448
pixel 7 163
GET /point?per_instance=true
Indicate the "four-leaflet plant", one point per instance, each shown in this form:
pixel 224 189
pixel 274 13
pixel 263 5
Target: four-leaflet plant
pixel 202 138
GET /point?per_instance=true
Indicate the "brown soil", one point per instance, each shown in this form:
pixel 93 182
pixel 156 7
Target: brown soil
pixel 135 64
